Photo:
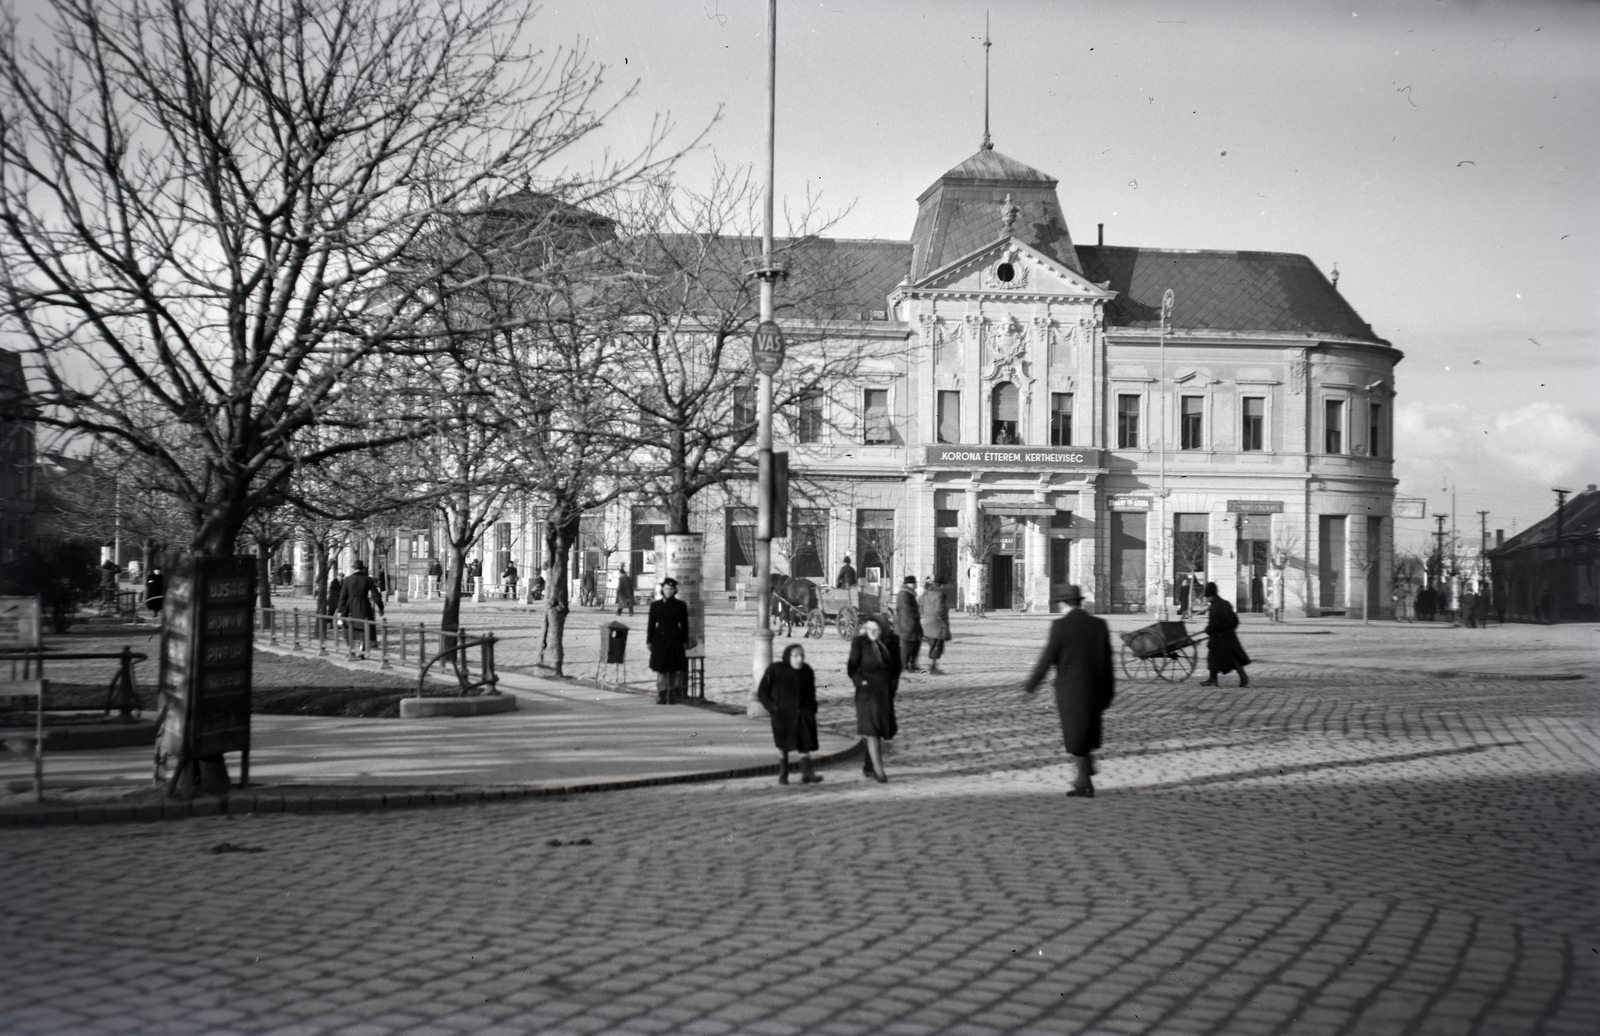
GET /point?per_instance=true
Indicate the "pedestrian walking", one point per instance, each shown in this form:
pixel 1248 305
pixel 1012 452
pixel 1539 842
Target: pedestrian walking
pixel 624 590
pixel 508 579
pixel 908 625
pixel 1469 609
pixel 666 634
pixel 586 588
pixel 1482 609
pixel 358 595
pixel 847 575
pixel 475 572
pixel 788 692
pixel 874 668
pixel 1224 653
pixel 935 608
pixel 1080 649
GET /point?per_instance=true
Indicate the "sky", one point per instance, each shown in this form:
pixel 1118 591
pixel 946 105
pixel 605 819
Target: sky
pixel 1443 154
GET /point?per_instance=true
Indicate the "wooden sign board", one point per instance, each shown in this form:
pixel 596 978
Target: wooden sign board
pixel 206 650
pixel 19 623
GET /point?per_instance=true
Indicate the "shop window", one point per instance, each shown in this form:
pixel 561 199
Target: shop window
pixel 740 544
pixel 1060 419
pixel 808 538
pixel 1333 426
pixel 875 544
pixel 1252 436
pixel 1192 430
pixel 875 411
pixel 1128 422
pixel 1004 425
pixel 949 417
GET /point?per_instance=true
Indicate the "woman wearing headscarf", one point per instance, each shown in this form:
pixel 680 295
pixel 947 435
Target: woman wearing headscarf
pixel 874 668
pixel 788 692
pixel 1224 653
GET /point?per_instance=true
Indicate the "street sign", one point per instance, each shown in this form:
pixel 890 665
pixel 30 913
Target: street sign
pixel 1410 507
pixel 767 348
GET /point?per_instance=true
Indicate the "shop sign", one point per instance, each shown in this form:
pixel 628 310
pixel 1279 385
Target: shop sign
pixel 1129 503
pixel 1255 506
pixel 1410 507
pixel 1034 458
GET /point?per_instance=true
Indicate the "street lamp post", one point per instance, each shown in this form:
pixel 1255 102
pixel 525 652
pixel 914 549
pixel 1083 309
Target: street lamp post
pixel 1167 300
pixel 767 351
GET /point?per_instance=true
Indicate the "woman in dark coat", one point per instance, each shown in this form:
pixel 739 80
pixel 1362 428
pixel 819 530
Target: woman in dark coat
pixel 874 668
pixel 1224 653
pixel 788 692
pixel 666 634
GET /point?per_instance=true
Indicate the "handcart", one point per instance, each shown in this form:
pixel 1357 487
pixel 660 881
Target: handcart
pixel 845 607
pixel 1163 649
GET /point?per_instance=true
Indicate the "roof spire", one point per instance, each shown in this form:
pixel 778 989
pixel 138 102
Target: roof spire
pixel 988 145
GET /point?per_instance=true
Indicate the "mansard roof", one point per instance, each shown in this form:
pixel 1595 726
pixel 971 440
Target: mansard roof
pixel 1222 291
pixel 962 211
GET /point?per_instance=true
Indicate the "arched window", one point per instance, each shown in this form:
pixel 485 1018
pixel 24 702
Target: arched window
pixel 1003 423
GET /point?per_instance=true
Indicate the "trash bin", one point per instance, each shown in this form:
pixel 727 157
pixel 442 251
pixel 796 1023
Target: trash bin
pixel 614 643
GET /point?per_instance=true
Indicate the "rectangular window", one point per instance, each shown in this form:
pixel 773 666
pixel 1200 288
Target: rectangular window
pixel 744 405
pixel 875 411
pixel 808 537
pixel 949 417
pixel 1193 429
pixel 1127 422
pixel 808 426
pixel 946 518
pixel 1375 431
pixel 1252 436
pixel 875 545
pixel 1333 426
pixel 1060 419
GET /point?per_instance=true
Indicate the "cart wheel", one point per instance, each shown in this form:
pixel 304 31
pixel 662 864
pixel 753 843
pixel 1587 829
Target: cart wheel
pixel 1179 665
pixel 1135 667
pixel 816 623
pixel 849 622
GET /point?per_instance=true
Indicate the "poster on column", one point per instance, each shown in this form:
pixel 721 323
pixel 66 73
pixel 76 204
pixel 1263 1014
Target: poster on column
pixel 682 556
pixel 206 651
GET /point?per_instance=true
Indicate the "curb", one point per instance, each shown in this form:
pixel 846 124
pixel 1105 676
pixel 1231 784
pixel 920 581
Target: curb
pixel 311 800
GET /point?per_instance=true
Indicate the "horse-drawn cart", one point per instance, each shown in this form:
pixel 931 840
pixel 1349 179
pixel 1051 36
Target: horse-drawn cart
pixel 1164 649
pixel 844 608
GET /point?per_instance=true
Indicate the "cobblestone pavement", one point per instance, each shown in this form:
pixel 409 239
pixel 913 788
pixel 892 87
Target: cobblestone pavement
pixel 1359 854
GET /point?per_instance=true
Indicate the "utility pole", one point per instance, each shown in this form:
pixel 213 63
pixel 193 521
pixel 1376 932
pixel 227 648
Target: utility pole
pixel 1438 549
pixel 1561 576
pixel 767 352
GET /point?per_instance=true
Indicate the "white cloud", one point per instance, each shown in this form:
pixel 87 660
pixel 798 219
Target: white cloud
pixel 1544 442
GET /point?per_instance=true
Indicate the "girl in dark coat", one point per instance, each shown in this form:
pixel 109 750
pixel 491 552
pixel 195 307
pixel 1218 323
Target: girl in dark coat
pixel 1224 653
pixel 666 634
pixel 874 668
pixel 788 692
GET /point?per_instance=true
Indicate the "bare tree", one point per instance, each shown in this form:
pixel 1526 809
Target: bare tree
pixel 213 213
pixel 1285 558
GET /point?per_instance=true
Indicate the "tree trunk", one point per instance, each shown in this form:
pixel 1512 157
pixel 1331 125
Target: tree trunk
pixel 678 498
pixel 319 580
pixel 562 531
pixel 264 573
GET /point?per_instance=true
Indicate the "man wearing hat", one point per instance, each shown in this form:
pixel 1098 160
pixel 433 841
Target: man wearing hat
pixel 360 602
pixel 908 625
pixel 1224 653
pixel 1080 649
pixel 666 634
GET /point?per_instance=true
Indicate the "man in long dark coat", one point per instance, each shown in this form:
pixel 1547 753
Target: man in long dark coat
pixel 666 634
pixel 358 597
pixel 847 575
pixel 1224 653
pixel 1080 649
pixel 908 625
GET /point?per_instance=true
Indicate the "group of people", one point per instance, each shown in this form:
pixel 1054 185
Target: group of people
pixel 1078 649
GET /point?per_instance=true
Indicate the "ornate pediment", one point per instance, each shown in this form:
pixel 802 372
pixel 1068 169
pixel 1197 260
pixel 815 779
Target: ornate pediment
pixel 1009 267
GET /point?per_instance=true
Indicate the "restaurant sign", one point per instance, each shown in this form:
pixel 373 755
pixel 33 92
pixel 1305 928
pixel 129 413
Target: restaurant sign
pixel 1255 506
pixel 1031 458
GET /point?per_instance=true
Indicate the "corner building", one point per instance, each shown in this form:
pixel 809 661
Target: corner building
pixel 1015 443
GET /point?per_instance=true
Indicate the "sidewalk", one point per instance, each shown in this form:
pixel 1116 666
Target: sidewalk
pixel 563 737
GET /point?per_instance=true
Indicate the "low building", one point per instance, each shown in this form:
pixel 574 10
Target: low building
pixel 1550 571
